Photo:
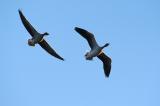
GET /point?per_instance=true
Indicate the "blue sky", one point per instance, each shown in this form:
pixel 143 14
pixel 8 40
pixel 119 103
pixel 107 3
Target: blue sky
pixel 31 77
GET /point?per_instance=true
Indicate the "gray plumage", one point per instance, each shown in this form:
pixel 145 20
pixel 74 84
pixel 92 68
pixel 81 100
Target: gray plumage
pixel 96 50
pixel 37 38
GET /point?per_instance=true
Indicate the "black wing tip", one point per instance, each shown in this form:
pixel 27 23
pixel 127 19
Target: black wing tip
pixel 77 28
pixel 62 59
pixel 106 75
pixel 20 11
pixel 107 71
pixel 80 30
pixel 58 57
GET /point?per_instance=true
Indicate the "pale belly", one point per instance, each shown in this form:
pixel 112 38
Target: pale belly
pixel 95 52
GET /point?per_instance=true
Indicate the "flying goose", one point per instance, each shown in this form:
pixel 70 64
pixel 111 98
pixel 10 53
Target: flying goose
pixel 96 50
pixel 37 38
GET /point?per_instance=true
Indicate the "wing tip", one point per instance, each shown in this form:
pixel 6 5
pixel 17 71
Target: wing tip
pixel 77 28
pixel 107 71
pixel 20 11
pixel 62 59
pixel 106 75
pixel 58 57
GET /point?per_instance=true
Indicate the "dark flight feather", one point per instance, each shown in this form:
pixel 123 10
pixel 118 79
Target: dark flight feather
pixel 46 47
pixel 27 25
pixel 106 63
pixel 88 36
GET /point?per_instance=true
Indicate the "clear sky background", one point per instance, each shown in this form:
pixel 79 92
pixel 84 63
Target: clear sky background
pixel 31 77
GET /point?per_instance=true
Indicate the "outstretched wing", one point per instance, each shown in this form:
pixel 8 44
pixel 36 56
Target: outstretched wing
pixel 88 36
pixel 27 25
pixel 106 63
pixel 46 47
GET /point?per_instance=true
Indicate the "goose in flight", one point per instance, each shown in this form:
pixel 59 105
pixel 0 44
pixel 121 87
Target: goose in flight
pixel 37 38
pixel 96 50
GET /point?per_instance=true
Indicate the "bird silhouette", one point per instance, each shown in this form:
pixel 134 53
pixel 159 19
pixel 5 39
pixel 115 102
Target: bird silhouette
pixel 37 38
pixel 96 50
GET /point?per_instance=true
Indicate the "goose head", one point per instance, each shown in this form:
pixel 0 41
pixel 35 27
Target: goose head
pixel 31 42
pixel 88 56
